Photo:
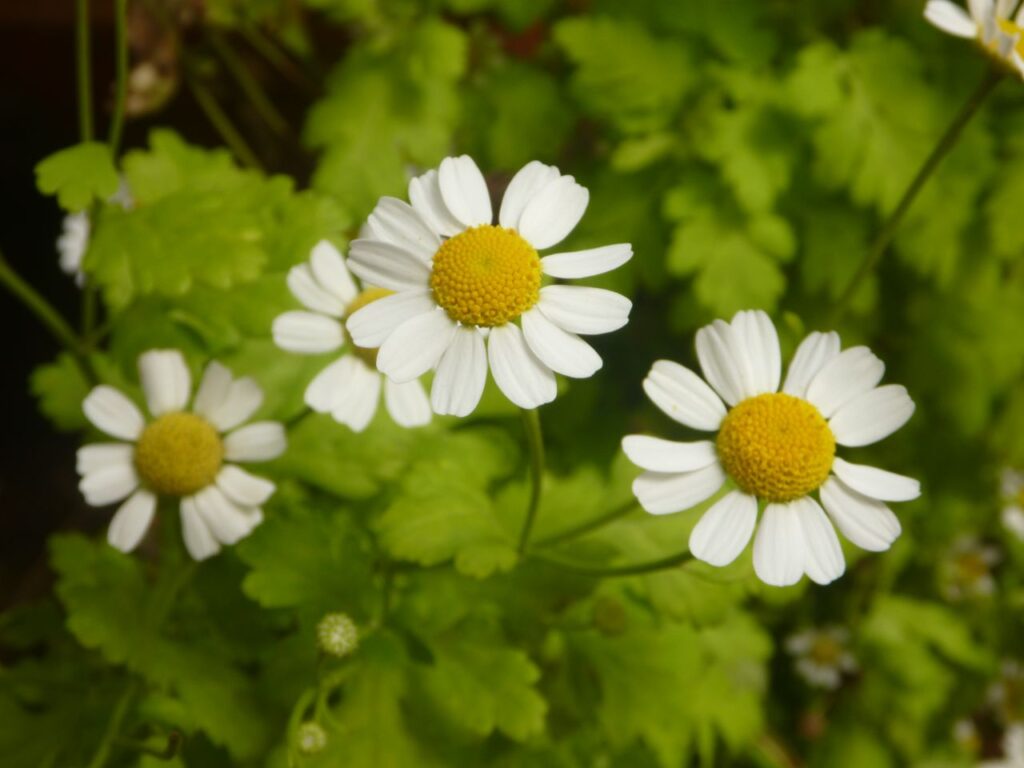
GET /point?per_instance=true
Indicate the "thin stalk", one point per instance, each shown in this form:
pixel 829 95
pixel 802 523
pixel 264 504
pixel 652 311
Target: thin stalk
pixel 102 753
pixel 250 85
pixel 121 69
pixel 83 69
pixel 589 525
pixel 281 61
pixel 946 142
pixel 535 446
pixel 47 315
pixel 223 125
pixel 616 570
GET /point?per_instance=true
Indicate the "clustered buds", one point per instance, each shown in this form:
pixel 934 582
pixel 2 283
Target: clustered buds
pixel 337 635
pixel 311 738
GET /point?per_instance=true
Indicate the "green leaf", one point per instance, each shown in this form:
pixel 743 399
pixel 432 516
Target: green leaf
pixel 59 388
pixel 78 175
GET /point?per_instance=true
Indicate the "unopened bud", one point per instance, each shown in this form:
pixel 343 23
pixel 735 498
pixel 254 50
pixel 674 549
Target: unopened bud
pixel 312 738
pixel 337 634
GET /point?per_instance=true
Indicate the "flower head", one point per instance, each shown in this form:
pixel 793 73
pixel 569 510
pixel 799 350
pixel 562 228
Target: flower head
pixel 1013 749
pixel 776 447
pixel 469 295
pixel 988 22
pixel 311 738
pixel 337 634
pixel 349 388
pixel 184 454
pixel 1013 502
pixel 966 570
pixel 822 655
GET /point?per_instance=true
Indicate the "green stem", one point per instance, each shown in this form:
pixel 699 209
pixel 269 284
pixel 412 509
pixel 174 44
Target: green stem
pixel 121 68
pixel 47 315
pixel 83 69
pixel 616 570
pixel 535 446
pixel 284 65
pixel 223 125
pixel 589 525
pixel 946 142
pixel 102 753
pixel 249 85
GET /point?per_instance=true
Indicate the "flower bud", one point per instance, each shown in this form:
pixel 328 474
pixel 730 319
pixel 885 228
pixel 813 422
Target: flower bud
pixel 337 635
pixel 311 738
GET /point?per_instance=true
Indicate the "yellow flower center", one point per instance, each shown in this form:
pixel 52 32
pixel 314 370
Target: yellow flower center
pixel 776 447
pixel 486 276
pixel 178 454
pixel 1009 28
pixel 367 354
pixel 826 651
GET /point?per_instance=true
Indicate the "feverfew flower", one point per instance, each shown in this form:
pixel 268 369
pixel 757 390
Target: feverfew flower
pixel 966 570
pixel 349 388
pixel 180 454
pixel 469 294
pixel 822 655
pixel 1013 749
pixel 1013 502
pixel 988 22
pixel 337 634
pixel 777 447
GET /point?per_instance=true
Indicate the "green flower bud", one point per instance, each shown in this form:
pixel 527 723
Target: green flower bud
pixel 312 738
pixel 337 634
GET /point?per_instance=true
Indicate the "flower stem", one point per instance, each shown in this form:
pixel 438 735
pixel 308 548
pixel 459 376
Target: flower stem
pixel 535 445
pixel 47 315
pixel 102 753
pixel 617 570
pixel 121 68
pixel 83 69
pixel 250 85
pixel 223 125
pixel 589 525
pixel 946 142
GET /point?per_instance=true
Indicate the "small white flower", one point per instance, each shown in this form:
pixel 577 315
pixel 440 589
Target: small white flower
pixel 1013 749
pixel 469 294
pixel 822 656
pixel 777 447
pixel 966 571
pixel 349 388
pixel 311 738
pixel 1013 502
pixel 1006 694
pixel 988 22
pixel 180 453
pixel 337 634
pixel 72 244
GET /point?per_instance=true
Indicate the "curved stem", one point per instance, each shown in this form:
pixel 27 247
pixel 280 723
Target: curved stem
pixel 102 753
pixel 47 315
pixel 589 525
pixel 83 69
pixel 617 570
pixel 946 142
pixel 250 86
pixel 222 123
pixel 121 68
pixel 535 446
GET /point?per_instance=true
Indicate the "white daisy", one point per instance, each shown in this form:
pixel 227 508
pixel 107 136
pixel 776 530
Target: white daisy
pixel 1013 502
pixel 988 22
pixel 777 447
pixel 469 294
pixel 1013 749
pixel 180 453
pixel 72 244
pixel 966 570
pixel 349 388
pixel 822 655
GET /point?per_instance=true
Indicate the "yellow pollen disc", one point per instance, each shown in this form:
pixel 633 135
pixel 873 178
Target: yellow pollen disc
pixel 1009 28
pixel 776 447
pixel 367 354
pixel 178 454
pixel 486 276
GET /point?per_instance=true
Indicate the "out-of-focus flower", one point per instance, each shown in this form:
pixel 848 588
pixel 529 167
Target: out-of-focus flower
pixel 76 230
pixel 966 570
pixel 822 656
pixel 1012 486
pixel 1006 694
pixel 988 22
pixel 1013 749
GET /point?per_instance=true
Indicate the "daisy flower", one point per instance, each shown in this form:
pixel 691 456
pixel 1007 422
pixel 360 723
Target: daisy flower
pixel 988 22
pixel 469 294
pixel 180 453
pixel 822 656
pixel 349 388
pixel 1013 749
pixel 1013 498
pixel 76 230
pixel 966 570
pixel 777 447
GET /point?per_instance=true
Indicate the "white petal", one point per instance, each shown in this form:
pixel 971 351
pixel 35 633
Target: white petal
pixel 113 413
pixel 407 403
pixel 524 379
pixel 715 345
pixel 244 396
pixel 779 554
pixel 388 266
pixel 872 416
pixel 214 388
pixel 724 530
pixel 307 333
pixel 823 556
pixel 223 518
pixel 109 484
pixel 561 351
pixel 425 196
pixel 398 223
pixel 684 396
pixel 358 402
pixel 553 212
pixel 371 325
pixel 850 373
pixel 867 523
pixel 198 540
pixel 876 483
pixel 328 385
pixel 464 190
pixel 594 261
pixel 662 493
pixel 581 309
pixel 757 353
pixel 244 489
pixel 528 181
pixel 165 380
pixel 307 290
pixel 91 458
pixel 260 441
pixel 415 346
pixel 658 455
pixel 131 521
pixel 813 352
pixel 329 269
pixel 461 374
pixel 981 10
pixel 951 18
